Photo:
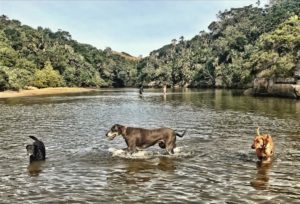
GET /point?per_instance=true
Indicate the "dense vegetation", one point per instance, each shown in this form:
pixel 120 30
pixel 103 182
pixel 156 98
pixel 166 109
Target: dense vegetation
pixel 42 58
pixel 243 44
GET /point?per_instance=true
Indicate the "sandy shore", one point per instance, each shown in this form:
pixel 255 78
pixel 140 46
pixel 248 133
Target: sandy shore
pixel 45 91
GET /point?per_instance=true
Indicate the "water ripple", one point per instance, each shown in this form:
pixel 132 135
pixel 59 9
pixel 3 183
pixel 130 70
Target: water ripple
pixel 212 164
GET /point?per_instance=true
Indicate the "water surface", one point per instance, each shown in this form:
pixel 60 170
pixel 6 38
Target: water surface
pixel 213 163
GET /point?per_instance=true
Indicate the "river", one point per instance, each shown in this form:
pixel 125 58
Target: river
pixel 213 162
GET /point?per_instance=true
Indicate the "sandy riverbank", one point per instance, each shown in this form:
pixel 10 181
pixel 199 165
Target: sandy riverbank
pixel 45 91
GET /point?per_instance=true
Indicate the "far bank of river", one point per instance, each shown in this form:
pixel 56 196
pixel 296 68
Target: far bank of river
pixel 45 91
pixel 260 88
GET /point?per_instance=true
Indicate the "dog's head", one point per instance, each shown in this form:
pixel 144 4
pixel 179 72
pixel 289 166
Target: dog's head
pixel 260 141
pixel 114 131
pixel 30 149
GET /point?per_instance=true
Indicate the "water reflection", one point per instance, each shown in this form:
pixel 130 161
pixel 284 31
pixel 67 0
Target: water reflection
pixel 35 168
pixel 165 97
pixel 261 180
pixel 217 169
pixel 135 171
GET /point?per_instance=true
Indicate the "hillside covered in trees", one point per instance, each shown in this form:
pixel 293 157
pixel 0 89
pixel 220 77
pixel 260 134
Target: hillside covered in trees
pixel 42 58
pixel 244 43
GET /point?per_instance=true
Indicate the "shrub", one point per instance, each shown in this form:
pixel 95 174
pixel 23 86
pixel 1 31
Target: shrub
pixel 47 77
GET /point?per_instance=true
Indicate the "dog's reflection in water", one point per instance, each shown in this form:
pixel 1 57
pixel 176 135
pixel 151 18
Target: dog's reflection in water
pixel 35 168
pixel 139 171
pixel 261 180
pixel 163 164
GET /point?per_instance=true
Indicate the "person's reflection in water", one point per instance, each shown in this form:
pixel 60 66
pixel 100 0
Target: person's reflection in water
pixel 35 168
pixel 165 97
pixel 261 180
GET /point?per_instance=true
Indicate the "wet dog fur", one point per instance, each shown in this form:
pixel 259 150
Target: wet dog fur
pixel 36 150
pixel 264 147
pixel 140 138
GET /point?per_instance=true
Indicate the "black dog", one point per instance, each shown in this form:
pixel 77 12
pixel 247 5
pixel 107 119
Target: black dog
pixel 36 151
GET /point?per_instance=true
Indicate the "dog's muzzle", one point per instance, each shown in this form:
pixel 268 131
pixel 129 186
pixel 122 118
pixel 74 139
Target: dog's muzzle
pixel 29 149
pixel 111 135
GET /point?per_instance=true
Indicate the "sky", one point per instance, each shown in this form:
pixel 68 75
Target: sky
pixel 136 27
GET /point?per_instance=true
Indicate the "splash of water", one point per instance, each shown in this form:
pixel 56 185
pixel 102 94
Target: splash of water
pixel 143 154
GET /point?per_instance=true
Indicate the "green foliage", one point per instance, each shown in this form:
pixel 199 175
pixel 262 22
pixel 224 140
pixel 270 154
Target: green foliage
pixel 47 77
pixel 8 56
pixel 243 44
pixel 25 64
pixel 18 78
pixel 3 80
pixel 26 50
pixel 277 51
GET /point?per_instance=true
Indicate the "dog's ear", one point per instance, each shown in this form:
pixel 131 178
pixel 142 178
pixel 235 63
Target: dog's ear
pixel 266 140
pixel 253 143
pixel 118 128
pixel 30 149
pixel 27 147
pixel 115 127
pixel 121 129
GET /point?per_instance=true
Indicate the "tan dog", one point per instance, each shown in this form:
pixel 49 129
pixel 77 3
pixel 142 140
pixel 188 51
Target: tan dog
pixel 264 147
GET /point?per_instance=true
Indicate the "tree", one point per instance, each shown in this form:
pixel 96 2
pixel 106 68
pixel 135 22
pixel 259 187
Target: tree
pixel 3 80
pixel 277 51
pixel 8 56
pixel 47 77
pixel 19 78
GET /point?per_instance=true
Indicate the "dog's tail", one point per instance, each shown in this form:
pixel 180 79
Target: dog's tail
pixel 180 135
pixel 33 137
pixel 257 131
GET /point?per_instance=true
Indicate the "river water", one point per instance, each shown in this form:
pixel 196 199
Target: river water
pixel 213 162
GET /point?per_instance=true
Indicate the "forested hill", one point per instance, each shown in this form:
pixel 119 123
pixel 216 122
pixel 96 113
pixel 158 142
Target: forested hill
pixel 242 44
pixel 42 58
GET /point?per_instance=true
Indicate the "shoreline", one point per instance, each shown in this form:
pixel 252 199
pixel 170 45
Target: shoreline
pixel 45 91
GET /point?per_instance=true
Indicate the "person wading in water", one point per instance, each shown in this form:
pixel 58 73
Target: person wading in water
pixel 141 90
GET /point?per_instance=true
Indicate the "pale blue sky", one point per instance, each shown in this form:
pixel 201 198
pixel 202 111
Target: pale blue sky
pixel 133 26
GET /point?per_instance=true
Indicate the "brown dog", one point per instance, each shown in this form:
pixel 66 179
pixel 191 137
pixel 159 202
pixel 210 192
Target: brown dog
pixel 264 147
pixel 139 138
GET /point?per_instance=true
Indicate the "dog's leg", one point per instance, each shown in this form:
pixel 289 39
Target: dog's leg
pixel 132 148
pixel 170 151
pixel 170 144
pixel 267 160
pixel 162 145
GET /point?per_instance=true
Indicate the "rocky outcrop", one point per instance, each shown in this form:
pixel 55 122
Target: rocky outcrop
pixel 282 87
pixel 297 89
pixel 275 87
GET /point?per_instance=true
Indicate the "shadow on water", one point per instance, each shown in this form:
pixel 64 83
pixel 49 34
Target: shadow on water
pixel 261 180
